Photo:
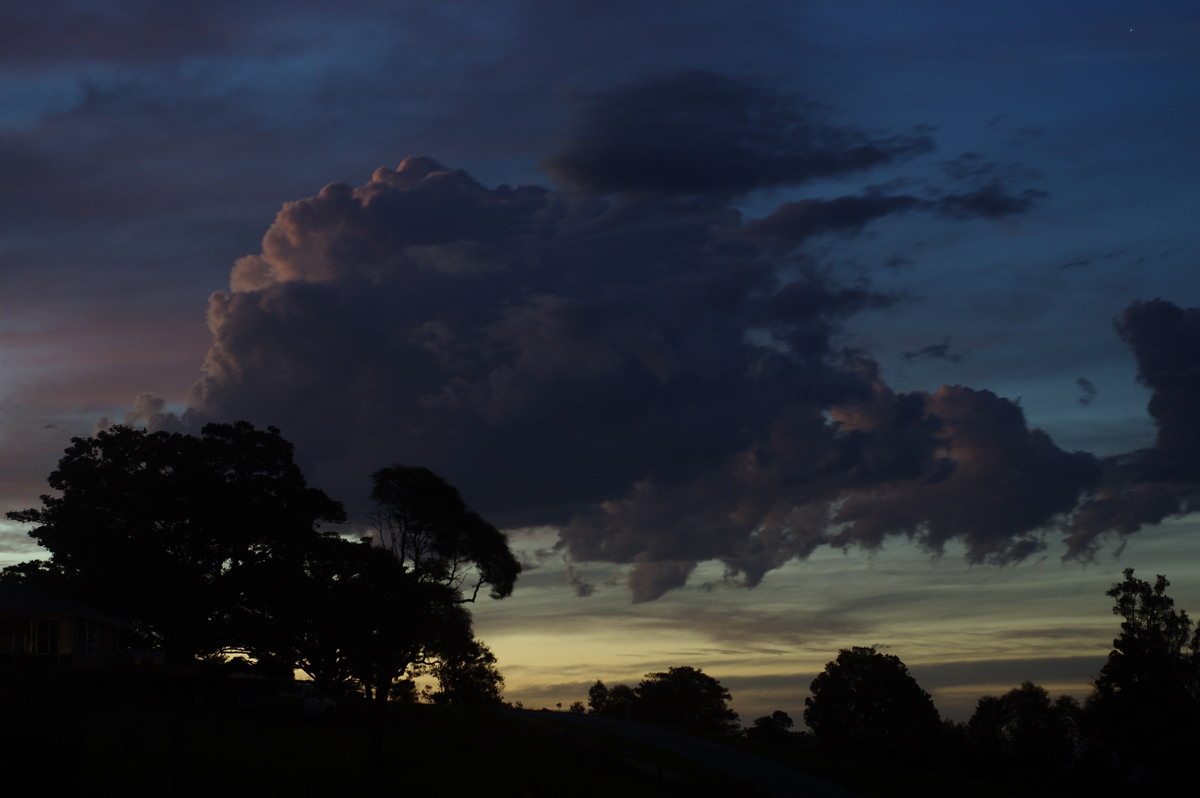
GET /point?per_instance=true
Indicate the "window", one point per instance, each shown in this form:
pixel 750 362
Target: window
pixel 45 637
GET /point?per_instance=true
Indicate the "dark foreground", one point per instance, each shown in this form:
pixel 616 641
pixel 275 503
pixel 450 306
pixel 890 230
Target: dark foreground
pixel 170 737
pixel 146 733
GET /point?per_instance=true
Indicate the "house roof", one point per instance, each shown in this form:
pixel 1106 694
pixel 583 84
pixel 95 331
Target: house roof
pixel 23 600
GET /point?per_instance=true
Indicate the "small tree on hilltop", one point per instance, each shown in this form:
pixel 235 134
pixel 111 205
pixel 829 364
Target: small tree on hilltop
pixel 615 702
pixel 772 729
pixel 867 703
pixel 468 677
pixel 686 697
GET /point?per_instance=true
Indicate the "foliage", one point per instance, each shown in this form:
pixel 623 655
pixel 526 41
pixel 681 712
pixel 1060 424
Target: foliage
pixel 164 528
pixel 617 702
pixel 1146 703
pixel 212 543
pixel 773 729
pixel 686 697
pixel 468 677
pixel 436 537
pixel 350 612
pixel 1024 730
pixel 682 696
pixel 446 553
pixel 867 703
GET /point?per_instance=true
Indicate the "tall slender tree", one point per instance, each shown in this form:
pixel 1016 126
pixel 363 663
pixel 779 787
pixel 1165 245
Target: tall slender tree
pixel 1147 700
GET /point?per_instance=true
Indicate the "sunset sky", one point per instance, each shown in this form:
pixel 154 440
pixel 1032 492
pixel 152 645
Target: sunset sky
pixel 765 329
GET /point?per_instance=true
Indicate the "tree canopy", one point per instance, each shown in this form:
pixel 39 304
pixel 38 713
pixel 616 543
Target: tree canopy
pixel 214 543
pixel 682 696
pixel 1147 699
pixel 867 702
pixel 436 537
pixel 1025 730
pixel 468 677
pixel 164 528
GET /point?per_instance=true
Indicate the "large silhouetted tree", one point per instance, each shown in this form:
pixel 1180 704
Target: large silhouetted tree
pixel 447 553
pixel 349 612
pixel 1147 700
pixel 165 528
pixel 866 703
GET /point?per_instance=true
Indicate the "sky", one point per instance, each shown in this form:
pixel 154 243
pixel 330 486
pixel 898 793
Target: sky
pixel 764 329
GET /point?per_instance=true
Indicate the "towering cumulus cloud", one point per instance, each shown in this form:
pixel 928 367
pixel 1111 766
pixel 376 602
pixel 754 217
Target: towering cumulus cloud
pixel 1146 486
pixel 628 358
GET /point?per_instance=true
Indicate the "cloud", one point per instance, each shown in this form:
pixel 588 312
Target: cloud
pixel 705 133
pixel 1087 391
pixel 537 350
pixel 1165 339
pixel 934 352
pixel 979 474
pixel 631 360
pixel 1147 486
pixel 800 220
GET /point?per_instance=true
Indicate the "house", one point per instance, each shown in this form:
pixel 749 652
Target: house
pixel 39 628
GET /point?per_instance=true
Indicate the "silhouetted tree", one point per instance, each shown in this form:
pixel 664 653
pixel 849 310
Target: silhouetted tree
pixel 688 697
pixel 350 612
pixel 682 696
pixel 617 702
pixel 447 554
pixel 164 528
pixel 772 729
pixel 436 537
pixel 867 703
pixel 1024 731
pixel 468 677
pixel 1146 702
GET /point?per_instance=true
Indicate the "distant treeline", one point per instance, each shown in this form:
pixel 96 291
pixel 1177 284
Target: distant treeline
pixel 1136 734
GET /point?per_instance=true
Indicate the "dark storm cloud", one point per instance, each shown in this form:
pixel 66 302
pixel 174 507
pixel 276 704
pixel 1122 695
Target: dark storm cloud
pixel 1165 339
pixel 539 351
pixel 979 474
pixel 704 133
pixel 1147 486
pixel 653 374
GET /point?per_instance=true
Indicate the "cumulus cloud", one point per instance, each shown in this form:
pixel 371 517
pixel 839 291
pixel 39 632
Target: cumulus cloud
pixel 1146 486
pixel 628 358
